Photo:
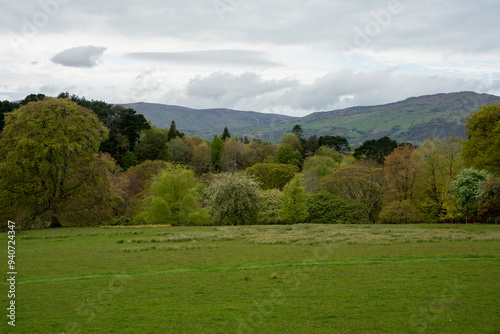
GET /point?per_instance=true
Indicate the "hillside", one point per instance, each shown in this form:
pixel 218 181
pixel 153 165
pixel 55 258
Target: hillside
pixel 204 121
pixel 411 120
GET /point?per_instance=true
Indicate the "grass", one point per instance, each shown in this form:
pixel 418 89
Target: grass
pixel 258 279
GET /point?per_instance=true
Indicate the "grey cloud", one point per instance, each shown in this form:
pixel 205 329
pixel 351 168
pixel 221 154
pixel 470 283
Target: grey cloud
pixel 335 90
pixel 81 56
pixel 208 57
pixel 230 89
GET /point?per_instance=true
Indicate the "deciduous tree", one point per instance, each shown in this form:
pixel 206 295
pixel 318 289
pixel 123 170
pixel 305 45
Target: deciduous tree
pixel 272 176
pixel 468 188
pixel 361 181
pixel 234 199
pixel 482 149
pixel 47 167
pixel 294 198
pixel 174 198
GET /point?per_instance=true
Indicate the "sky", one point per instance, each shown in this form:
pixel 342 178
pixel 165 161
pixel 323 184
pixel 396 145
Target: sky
pixel 290 57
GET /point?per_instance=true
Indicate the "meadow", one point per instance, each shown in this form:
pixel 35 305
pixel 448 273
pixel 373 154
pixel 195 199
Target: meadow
pixel 257 279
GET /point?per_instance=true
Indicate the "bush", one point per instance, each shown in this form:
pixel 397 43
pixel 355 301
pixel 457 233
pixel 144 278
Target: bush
pixel 234 199
pixel 174 198
pixel 271 204
pixel 326 208
pixel 399 212
pixel 294 197
pixel 272 176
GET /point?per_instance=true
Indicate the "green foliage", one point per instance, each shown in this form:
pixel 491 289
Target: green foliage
pixel 489 205
pixel 441 162
pixel 294 197
pixel 375 149
pixel 291 139
pixel 482 149
pixel 234 199
pixel 47 167
pixel 270 205
pixel 326 151
pixel 124 124
pixel 149 170
pixel 297 131
pixel 257 152
pixel 128 160
pixel 179 151
pixel 225 134
pixel 361 181
pixel 286 154
pixel 272 176
pixel 468 188
pixel 153 147
pixel 311 145
pixel 6 107
pixel 173 132
pixel 174 198
pixel 338 143
pixel 325 208
pixel 217 148
pixel 400 212
pixel 315 168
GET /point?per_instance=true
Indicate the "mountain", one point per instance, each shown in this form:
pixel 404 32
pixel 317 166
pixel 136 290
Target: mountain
pixel 204 121
pixel 411 120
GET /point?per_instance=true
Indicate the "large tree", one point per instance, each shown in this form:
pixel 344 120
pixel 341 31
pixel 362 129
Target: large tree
pixel 234 199
pixel 339 143
pixel 124 124
pixel 272 176
pixel 47 164
pixel 402 167
pixel 482 149
pixel 441 162
pixel 376 149
pixel 468 188
pixel 361 181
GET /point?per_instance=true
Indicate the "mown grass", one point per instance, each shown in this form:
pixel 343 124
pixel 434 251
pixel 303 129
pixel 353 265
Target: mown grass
pixel 258 279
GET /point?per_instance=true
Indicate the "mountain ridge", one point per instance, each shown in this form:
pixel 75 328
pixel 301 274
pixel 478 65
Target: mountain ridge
pixel 412 119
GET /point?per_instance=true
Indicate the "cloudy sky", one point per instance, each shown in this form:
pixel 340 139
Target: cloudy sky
pixel 283 56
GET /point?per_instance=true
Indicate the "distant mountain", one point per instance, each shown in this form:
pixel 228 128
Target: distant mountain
pixel 411 120
pixel 204 121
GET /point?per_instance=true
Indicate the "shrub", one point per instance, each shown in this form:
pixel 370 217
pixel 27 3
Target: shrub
pixel 234 199
pixel 271 204
pixel 294 197
pixel 325 208
pixel 400 212
pixel 173 198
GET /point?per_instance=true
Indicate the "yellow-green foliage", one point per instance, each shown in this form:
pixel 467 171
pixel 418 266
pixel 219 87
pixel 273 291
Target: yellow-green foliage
pixel 271 202
pixel 174 198
pixel 272 176
pixel 294 197
pixel 47 167
pixel 482 149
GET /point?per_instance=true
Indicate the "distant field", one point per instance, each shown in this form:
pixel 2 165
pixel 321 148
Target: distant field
pixel 257 279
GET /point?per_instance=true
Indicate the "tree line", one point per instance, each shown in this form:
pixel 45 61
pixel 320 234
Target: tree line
pixel 68 161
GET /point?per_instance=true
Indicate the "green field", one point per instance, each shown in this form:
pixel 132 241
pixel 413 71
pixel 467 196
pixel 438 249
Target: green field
pixel 257 279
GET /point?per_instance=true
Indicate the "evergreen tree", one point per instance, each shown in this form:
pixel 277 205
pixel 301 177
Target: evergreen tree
pixel 225 134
